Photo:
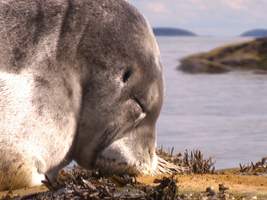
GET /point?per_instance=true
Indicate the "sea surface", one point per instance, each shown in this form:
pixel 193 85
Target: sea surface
pixel 223 115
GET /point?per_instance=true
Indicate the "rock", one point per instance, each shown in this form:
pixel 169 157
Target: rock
pixel 222 188
pixel 196 65
pixel 210 191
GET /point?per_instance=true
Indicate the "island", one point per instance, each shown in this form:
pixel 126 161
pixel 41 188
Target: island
pixel 255 33
pixel 249 55
pixel 165 31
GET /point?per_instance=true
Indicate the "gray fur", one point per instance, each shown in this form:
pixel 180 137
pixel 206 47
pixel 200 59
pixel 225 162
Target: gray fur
pixel 63 94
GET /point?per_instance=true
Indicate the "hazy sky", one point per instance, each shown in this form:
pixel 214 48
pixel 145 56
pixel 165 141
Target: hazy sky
pixel 206 17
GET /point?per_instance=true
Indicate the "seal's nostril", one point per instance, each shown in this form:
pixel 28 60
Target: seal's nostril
pixel 140 104
pixel 140 118
pixel 127 74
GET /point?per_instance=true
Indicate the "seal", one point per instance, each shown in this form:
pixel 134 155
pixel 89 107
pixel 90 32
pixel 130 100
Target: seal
pixel 79 80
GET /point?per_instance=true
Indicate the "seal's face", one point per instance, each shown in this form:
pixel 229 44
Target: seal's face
pixel 122 96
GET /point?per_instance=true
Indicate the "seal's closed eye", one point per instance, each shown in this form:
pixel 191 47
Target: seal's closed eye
pixel 127 74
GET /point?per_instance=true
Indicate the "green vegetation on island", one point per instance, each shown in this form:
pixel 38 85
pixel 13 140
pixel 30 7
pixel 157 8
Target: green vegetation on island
pixel 250 55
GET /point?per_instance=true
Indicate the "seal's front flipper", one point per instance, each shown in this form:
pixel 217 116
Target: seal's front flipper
pixel 16 171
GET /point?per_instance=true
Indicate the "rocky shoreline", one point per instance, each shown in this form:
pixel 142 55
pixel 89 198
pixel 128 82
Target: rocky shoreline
pixel 249 56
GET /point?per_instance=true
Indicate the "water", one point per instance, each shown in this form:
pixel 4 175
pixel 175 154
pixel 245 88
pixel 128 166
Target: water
pixel 224 115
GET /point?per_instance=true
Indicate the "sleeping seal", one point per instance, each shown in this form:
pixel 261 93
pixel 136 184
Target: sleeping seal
pixel 79 80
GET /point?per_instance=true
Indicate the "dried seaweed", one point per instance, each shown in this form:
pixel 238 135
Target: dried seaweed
pixel 257 168
pixel 83 184
pixel 194 161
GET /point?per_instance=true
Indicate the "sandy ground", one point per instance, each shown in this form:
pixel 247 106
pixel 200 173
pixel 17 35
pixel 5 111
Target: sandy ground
pixel 253 185
pixel 24 192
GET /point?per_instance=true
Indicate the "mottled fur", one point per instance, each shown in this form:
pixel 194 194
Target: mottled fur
pixel 79 79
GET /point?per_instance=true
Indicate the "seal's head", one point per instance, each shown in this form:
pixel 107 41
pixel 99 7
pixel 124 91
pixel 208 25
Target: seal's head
pixel 123 91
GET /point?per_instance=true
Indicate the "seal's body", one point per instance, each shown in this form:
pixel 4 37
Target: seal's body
pixel 79 80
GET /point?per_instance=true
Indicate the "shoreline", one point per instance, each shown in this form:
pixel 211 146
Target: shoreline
pixel 194 185
pixel 200 181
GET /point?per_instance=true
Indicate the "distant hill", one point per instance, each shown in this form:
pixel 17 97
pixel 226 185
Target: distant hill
pixel 160 31
pixel 255 33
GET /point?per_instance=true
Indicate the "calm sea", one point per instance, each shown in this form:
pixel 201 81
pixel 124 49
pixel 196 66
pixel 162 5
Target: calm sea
pixel 224 115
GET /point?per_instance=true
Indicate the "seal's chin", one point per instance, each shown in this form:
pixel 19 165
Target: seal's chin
pixel 120 158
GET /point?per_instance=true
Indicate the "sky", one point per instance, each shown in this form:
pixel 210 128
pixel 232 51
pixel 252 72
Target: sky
pixel 206 17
